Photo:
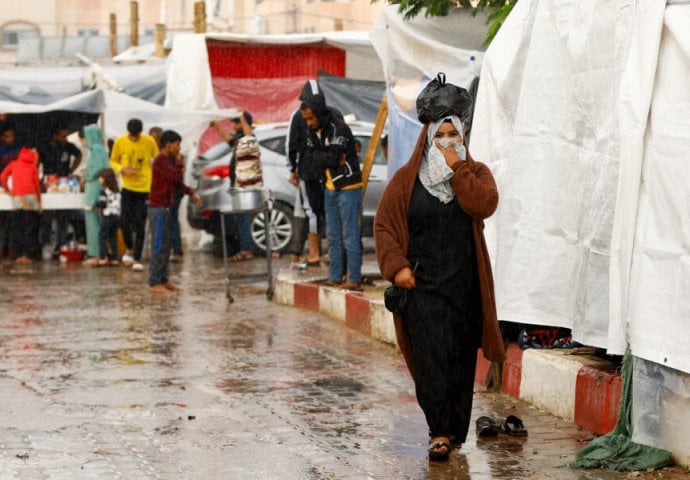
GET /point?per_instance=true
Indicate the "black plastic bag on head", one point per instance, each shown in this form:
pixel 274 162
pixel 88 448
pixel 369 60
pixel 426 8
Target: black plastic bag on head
pixel 440 99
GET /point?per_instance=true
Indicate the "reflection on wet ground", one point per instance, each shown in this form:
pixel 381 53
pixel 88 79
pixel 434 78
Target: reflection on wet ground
pixel 101 380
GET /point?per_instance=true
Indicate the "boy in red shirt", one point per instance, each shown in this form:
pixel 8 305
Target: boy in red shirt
pixel 165 182
pixel 26 198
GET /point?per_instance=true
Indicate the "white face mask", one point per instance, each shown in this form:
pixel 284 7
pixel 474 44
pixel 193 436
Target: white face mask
pixel 459 147
pixel 434 172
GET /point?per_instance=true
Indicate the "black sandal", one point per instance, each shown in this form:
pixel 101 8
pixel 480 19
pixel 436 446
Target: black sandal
pixel 513 426
pixel 486 427
pixel 439 451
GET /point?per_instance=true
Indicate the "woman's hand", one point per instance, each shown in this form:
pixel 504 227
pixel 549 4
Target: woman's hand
pixel 405 278
pixel 449 153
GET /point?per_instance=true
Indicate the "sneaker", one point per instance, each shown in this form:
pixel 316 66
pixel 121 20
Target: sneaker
pixel 127 260
pixel 137 267
pixel 176 258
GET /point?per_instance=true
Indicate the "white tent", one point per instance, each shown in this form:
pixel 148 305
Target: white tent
pixel 582 114
pixel 190 85
pixel 412 53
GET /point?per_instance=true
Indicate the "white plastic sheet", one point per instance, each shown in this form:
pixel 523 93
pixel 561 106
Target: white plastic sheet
pixel 412 53
pixel 546 123
pixel 658 304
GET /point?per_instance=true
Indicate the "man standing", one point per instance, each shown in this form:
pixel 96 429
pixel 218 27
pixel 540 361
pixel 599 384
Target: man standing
pixel 9 151
pixel 131 157
pixel 333 147
pixel 60 158
pixel 166 182
pixel 308 177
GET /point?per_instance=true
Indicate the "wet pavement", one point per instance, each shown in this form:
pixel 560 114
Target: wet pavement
pixel 101 380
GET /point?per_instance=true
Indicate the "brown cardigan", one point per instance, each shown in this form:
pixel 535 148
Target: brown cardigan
pixel 476 192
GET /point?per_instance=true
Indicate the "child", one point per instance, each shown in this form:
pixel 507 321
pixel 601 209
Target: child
pixel 165 182
pixel 26 198
pixel 109 202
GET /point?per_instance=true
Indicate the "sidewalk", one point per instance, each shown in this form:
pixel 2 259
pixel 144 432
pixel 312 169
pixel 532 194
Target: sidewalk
pixel 572 384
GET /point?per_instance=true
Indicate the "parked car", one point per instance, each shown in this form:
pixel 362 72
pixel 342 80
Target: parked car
pixel 211 180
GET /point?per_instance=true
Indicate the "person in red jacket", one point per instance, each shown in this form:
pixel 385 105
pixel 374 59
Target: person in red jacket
pixel 166 182
pixel 26 198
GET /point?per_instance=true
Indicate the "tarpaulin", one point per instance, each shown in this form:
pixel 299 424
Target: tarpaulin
pixel 361 98
pixel 412 53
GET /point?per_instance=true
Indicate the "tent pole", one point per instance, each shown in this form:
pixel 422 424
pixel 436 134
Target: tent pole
pixel 381 118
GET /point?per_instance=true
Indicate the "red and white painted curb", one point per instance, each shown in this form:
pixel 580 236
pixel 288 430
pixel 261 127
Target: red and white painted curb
pixel 577 387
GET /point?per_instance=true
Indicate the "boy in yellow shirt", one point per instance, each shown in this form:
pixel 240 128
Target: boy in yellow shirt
pixel 131 157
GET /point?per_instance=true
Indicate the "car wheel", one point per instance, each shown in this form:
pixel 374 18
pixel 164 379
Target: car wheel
pixel 281 227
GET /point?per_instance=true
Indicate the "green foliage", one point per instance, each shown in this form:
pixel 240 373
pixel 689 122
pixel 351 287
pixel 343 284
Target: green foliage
pixel 440 8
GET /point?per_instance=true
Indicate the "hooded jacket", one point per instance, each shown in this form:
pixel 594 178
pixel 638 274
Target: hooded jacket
pixel 97 161
pixel 301 158
pixel 475 190
pixel 24 173
pixel 334 149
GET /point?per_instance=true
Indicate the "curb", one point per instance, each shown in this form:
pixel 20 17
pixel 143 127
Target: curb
pixel 571 384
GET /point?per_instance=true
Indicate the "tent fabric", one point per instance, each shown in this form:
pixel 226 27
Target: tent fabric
pixel 660 254
pixel 592 213
pixel 361 98
pixel 28 85
pixel 617 451
pixel 412 53
pixel 191 83
pixel 86 102
pixel 237 60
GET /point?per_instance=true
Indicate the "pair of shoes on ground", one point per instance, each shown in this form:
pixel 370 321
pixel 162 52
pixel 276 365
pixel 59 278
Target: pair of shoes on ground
pixel 166 287
pixel 241 256
pixel 512 425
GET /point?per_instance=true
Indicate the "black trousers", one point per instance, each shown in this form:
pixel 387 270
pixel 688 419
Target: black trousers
pixel 445 357
pixel 24 235
pixel 107 237
pixel 133 220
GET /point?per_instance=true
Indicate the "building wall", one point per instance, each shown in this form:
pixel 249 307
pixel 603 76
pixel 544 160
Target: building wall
pixel 82 17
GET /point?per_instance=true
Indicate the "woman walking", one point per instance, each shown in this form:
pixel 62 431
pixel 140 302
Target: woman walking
pixel 97 161
pixel 429 242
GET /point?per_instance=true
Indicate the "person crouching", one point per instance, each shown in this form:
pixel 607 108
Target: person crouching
pixel 165 182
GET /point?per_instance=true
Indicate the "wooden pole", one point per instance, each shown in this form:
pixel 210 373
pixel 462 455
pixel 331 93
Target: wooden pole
pixel 374 142
pixel 160 40
pixel 113 35
pixel 199 17
pixel 133 24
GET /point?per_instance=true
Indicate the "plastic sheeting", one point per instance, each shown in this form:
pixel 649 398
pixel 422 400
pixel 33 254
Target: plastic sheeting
pixel 661 408
pixel 44 85
pixel 592 231
pixel 361 98
pixel 657 302
pixel 545 122
pixel 191 86
pixel 412 53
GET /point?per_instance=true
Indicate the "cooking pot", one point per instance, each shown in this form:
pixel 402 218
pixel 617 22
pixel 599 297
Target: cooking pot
pixel 247 199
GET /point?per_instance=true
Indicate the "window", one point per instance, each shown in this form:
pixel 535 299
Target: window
pixel 87 32
pixel 13 31
pixel 275 144
pixel 379 159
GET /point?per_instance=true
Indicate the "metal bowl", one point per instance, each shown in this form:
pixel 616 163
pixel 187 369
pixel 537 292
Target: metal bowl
pixel 247 199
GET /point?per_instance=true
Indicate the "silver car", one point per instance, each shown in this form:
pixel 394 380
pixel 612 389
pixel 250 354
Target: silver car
pixel 211 180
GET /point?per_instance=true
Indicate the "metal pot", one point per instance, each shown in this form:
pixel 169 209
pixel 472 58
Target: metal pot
pixel 247 199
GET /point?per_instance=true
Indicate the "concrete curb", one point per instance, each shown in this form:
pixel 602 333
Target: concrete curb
pixel 568 383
